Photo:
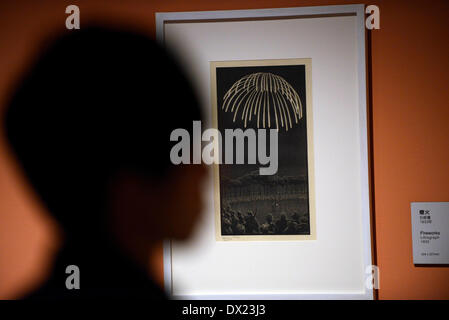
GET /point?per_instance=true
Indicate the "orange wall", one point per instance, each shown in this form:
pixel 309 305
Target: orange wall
pixel 410 131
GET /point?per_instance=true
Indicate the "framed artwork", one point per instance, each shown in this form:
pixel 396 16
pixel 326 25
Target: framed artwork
pixel 301 230
pixel 263 95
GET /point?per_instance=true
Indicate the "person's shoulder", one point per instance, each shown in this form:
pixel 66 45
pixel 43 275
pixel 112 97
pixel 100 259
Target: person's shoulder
pixel 48 291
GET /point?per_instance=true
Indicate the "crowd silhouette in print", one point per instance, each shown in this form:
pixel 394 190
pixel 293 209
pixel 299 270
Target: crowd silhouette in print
pixel 264 205
pixel 234 222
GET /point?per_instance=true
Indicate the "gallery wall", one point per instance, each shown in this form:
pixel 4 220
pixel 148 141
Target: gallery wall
pixel 409 99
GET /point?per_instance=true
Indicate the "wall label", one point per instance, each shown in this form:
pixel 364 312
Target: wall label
pixel 430 232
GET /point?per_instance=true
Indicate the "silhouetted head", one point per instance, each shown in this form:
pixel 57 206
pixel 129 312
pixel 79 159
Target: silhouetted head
pixel 90 125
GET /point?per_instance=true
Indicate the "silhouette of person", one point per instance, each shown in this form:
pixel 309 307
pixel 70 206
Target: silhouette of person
pixel 251 224
pixel 268 227
pixel 90 125
pixel 281 224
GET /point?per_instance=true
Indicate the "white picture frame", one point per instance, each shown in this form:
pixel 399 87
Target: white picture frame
pixel 356 32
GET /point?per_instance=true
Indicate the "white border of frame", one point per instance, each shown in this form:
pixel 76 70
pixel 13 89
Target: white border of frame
pixel 282 13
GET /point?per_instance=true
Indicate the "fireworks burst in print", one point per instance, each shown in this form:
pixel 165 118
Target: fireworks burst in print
pixel 259 96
